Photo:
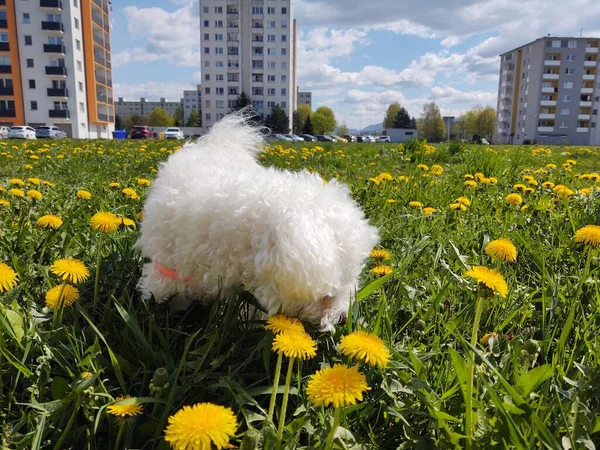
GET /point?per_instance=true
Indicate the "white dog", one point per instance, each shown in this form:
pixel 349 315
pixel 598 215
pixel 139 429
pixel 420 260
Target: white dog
pixel 217 221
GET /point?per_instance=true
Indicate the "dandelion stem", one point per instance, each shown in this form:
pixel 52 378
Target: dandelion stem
pixel 44 247
pixel 57 315
pixel 337 417
pixel 70 423
pixel 98 258
pixel 120 435
pixel 471 374
pixel 286 392
pixel 275 385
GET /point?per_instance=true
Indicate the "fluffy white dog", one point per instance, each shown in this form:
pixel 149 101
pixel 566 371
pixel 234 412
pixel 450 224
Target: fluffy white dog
pixel 217 221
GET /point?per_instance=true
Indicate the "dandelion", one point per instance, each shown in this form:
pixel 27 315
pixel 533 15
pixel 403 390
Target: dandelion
pixel 492 180
pixel 468 176
pixel 562 191
pixel 428 211
pixel 391 201
pixel 143 182
pixel 17 182
pixel 114 184
pixel 528 190
pixel 49 221
pixel 70 270
pixel 437 170
pixel 380 255
pixel 458 207
pixel 479 176
pixel 550 166
pixel 130 193
pixel 490 279
pixel 486 338
pixel 403 178
pixel 470 184
pixel 17 192
pixel 34 181
pixel 338 386
pixel 4 203
pixel 105 222
pixel 423 167
pixel 126 222
pixel 415 204
pixel 34 195
pixel 463 201
pixel 8 277
pixel 588 235
pixel 366 347
pixel 124 410
pixel 62 296
pixel 502 249
pixel 280 323
pixel 514 199
pixel 519 187
pixel 548 184
pixel 201 427
pixel 83 195
pixel 381 270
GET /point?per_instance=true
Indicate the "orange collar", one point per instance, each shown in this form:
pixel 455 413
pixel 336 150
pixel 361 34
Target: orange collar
pixel 170 273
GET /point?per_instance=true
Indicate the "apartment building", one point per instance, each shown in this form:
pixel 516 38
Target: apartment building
pixel 305 98
pixel 192 101
pixel 247 46
pixel 144 107
pixel 549 92
pixel 55 65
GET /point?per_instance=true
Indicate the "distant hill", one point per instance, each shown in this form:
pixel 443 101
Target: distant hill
pixel 375 128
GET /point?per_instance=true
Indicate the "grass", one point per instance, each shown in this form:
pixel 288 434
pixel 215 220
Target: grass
pixel 535 383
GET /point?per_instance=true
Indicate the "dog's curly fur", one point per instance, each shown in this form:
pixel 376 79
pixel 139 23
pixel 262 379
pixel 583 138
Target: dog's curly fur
pixel 222 221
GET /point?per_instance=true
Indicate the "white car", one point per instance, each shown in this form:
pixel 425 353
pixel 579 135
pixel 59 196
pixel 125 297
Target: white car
pixel 21 132
pixel 294 137
pixel 173 133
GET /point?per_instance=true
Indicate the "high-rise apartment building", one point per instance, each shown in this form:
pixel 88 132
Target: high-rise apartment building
pixel 549 92
pixel 192 101
pixel 55 65
pixel 247 46
pixel 304 98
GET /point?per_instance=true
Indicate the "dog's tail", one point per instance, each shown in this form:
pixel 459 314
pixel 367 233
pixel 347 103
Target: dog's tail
pixel 235 134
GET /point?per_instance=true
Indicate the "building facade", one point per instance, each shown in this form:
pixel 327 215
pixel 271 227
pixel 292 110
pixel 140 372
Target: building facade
pixel 192 101
pixel 143 107
pixel 549 92
pixel 305 98
pixel 55 65
pixel 247 46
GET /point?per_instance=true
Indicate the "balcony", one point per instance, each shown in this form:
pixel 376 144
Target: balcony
pixel 545 129
pixel 8 113
pixel 59 114
pixel 7 91
pixel 58 92
pixel 4 23
pixel 591 49
pixel 51 4
pixel 5 68
pixel 590 63
pixel 583 117
pixel 549 90
pixel 54 48
pixel 548 103
pixel 587 90
pixel 2 2
pixel 585 104
pixel 550 76
pixel 56 70
pixel 551 63
pixel 547 116
pixel 591 77
pixel 53 26
pixel 583 129
pixel 4 47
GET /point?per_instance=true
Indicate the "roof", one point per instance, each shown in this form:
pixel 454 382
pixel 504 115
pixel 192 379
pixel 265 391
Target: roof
pixel 551 37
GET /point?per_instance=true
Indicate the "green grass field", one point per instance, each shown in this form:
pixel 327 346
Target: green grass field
pixel 534 383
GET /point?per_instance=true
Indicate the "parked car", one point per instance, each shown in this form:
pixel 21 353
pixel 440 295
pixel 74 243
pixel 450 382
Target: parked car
pixel 308 137
pixel 484 141
pixel 363 139
pixel 173 133
pixel 139 132
pixel 339 138
pixel 324 138
pixel 21 132
pixel 294 138
pixel 4 132
pixel 278 137
pixel 350 138
pixel 51 132
pixel 385 139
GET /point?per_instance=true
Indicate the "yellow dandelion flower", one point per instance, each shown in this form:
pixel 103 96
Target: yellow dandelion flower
pixel 470 184
pixel 124 410
pixel 490 279
pixel 34 195
pixel 47 183
pixel 34 181
pixel 528 190
pixel 105 222
pixel 4 203
pixel 375 180
pixel 380 255
pixel 458 207
pixel 423 167
pixel 143 182
pixel 114 184
pixel 68 295
pixel 338 386
pixel 86 375
pixel 428 211
pixel 17 192
pixel 468 176
pixel 519 187
pixel 492 180
pixel 479 176
pixel 70 270
pixel 403 178
pixel 83 195
pixel 502 249
pixel 391 201
pixel 8 277
pixel 437 170
pixel 49 221
pixel 381 270
pixel 532 182
pixel 295 344
pixel 463 200
pixel 550 166
pixel 126 222
pixel 588 235
pixel 200 427
pixel 585 191
pixel 280 323
pixel 486 338
pixel 571 162
pixel 415 204
pixel 366 347
pixel 548 184
pixel 562 191
pixel 17 182
pixel 514 199
pixel 130 193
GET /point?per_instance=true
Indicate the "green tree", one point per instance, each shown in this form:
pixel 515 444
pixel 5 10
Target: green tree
pixel 304 112
pixel 308 128
pixel 134 120
pixel 178 117
pixel 431 125
pixel 402 119
pixel 342 130
pixel 479 122
pixel 390 115
pixel 244 102
pixel 278 121
pixel 296 124
pixel 118 122
pixel 159 118
pixel 195 119
pixel 323 120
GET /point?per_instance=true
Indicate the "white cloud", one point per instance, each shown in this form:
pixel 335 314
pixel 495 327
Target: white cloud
pixel 151 90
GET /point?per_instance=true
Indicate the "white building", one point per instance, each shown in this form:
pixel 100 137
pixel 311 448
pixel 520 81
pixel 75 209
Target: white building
pixel 192 101
pixel 144 107
pixel 305 98
pixel 247 46
pixel 56 60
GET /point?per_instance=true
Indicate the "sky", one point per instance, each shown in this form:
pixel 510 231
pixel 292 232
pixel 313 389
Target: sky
pixel 356 56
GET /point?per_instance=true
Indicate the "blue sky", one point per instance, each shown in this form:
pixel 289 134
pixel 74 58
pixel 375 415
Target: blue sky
pixel 355 56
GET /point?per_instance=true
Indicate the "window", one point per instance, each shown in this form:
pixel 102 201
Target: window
pixel 28 40
pixel 568 85
pixel 81 107
pixel 218 24
pixel 284 65
pixel 26 18
pixel 218 63
pixel 220 104
pixel 206 63
pixel 283 10
pixel 270 51
pixel 31 84
pixel 283 91
pixel 207 104
pixel 271 65
pixel 205 10
pixel 572 44
pixel 220 77
pixel 271 78
pixel 77 44
pixel 76 23
pixel 271 10
pixel 220 91
pixel 206 37
pixel 270 104
pixel 284 78
pixel 284 38
pixel 219 50
pixel 284 105
pixel 569 70
pixel 284 24
pixel 271 91
pixel 29 62
pixel 207 90
pixel 271 24
pixel 270 38
pixel 219 37
pixel 79 66
pixel 218 10
pixel 564 124
pixel 76 3
pixel 80 86
pixel 207 116
pixel 570 58
pixel 207 77
pixel 206 50
pixel 206 23
pixel 565 111
pixel 33 106
pixel 257 10
pixel 567 98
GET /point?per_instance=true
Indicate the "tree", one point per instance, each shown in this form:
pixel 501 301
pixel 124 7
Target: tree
pixel 133 120
pixel 323 120
pixel 195 119
pixel 342 130
pixel 241 102
pixel 278 121
pixel 308 128
pixel 479 122
pixel 296 123
pixel 118 122
pixel 178 117
pixel 390 115
pixel 402 119
pixel 431 125
pixel 304 112
pixel 413 123
pixel 159 118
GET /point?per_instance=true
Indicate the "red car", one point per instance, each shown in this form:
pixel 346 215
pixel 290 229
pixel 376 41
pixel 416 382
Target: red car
pixel 141 133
